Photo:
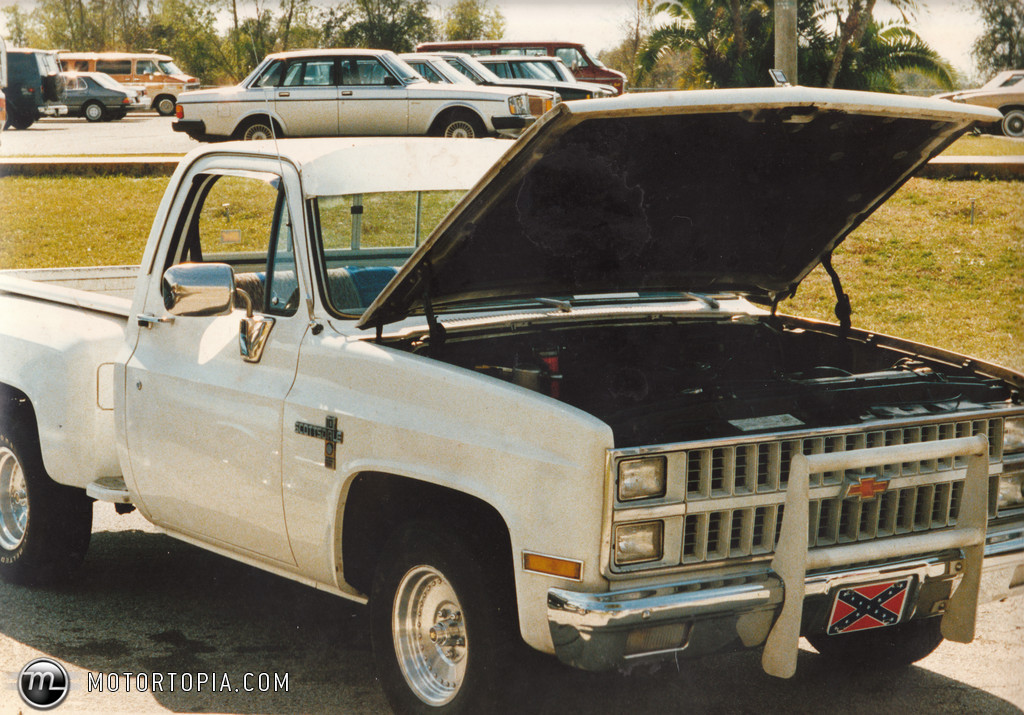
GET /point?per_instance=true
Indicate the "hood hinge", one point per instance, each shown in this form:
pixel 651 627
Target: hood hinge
pixel 437 331
pixel 843 309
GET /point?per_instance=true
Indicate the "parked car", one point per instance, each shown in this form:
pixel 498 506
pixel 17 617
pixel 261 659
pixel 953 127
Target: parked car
pixel 434 69
pixel 158 75
pixel 573 54
pixel 346 92
pixel 35 87
pixel 99 97
pixel 1004 92
pixel 474 70
pixel 526 67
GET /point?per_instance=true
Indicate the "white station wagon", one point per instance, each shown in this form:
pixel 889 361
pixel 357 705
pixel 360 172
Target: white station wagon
pixel 346 92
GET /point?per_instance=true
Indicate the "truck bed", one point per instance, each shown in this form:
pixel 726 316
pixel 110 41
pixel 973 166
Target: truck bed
pixel 105 289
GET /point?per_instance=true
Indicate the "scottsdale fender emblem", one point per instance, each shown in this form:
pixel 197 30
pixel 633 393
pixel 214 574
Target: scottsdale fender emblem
pixel 329 433
pixel 867 488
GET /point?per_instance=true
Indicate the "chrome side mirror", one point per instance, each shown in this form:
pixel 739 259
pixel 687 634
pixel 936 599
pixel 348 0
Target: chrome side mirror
pixel 198 289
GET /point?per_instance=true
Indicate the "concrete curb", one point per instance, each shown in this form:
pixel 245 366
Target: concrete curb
pixel 1005 168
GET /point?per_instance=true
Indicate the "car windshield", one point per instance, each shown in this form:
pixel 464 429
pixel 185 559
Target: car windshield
pixel 108 81
pixel 168 67
pixel 534 70
pixel 363 238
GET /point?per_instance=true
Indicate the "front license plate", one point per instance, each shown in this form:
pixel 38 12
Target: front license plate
pixel 858 608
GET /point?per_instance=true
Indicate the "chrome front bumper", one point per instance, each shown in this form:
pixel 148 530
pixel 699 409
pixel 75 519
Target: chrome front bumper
pixel 775 603
pixel 602 631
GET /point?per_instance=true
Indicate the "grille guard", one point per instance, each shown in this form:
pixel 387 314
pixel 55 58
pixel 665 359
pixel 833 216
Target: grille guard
pixel 793 559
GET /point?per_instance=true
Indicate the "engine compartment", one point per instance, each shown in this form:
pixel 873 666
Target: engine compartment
pixel 674 381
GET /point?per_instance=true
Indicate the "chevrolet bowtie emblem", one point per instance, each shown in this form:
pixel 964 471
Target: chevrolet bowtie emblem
pixel 867 488
pixel 329 433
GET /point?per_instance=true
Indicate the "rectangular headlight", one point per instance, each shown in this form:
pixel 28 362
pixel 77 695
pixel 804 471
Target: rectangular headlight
pixel 519 104
pixel 642 478
pixel 1011 491
pixel 637 543
pixel 1013 435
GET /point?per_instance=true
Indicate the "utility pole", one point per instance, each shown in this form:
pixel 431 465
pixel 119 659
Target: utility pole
pixel 785 38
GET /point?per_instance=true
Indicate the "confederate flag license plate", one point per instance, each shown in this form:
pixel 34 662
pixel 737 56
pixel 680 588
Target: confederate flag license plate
pixel 858 608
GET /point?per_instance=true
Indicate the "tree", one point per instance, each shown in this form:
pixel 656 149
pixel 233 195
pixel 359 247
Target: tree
pixel 859 16
pixel 397 25
pixel 20 26
pixel 472 20
pixel 728 38
pixel 1001 45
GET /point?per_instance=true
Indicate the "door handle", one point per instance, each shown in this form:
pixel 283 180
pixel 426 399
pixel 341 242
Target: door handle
pixel 346 93
pixel 284 94
pixel 147 320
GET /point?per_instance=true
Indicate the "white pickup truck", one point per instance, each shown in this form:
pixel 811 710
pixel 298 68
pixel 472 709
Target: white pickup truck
pixel 570 415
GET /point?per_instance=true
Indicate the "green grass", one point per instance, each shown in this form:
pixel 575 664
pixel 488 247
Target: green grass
pixel 985 145
pixel 918 268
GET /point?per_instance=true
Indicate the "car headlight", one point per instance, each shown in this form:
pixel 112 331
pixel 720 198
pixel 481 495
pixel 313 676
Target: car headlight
pixel 641 478
pixel 1013 435
pixel 1011 491
pixel 519 104
pixel 637 543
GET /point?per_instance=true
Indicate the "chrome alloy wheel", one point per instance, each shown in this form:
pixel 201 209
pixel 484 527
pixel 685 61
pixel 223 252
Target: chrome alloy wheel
pixel 430 635
pixel 13 501
pixel 460 129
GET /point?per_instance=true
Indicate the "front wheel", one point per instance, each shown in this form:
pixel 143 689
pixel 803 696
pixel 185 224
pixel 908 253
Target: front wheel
pixel 93 112
pixel 894 646
pixel 440 637
pixel 462 125
pixel 1013 123
pixel 44 526
pixel 164 105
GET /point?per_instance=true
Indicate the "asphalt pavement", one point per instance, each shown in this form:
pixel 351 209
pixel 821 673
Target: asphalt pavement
pixel 152 607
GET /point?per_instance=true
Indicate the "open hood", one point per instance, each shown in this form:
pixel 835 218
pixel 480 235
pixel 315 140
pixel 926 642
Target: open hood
pixel 741 191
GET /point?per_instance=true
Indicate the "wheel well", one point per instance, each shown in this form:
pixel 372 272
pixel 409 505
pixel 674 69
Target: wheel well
pixel 1011 107
pixel 378 504
pixel 253 119
pixel 453 112
pixel 17 413
pixel 159 97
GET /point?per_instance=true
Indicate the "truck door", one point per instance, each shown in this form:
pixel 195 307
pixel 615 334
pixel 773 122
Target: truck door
pixel 203 422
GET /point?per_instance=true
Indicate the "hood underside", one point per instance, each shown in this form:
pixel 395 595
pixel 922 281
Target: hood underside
pixel 741 191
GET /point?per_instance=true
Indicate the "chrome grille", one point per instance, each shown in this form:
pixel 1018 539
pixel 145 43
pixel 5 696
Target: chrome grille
pixel 725 500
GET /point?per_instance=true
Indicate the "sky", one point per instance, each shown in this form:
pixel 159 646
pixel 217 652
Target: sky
pixel 949 26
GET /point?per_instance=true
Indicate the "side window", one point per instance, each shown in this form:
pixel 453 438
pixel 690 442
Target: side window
pixel 114 66
pixel 363 71
pixel 429 74
pixel 244 221
pixel 271 75
pixel 458 66
pixel 146 67
pixel 500 69
pixel 571 57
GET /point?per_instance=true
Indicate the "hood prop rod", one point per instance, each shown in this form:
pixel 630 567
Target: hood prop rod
pixel 437 331
pixel 843 309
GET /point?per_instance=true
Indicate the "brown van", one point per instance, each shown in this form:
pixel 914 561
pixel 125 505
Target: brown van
pixel 573 54
pixel 156 74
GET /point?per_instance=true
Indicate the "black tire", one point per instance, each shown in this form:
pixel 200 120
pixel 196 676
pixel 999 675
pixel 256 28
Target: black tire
pixel 20 121
pixel 44 526
pixel 892 647
pixel 1013 123
pixel 258 128
pixel 94 112
pixel 452 654
pixel 461 125
pixel 164 105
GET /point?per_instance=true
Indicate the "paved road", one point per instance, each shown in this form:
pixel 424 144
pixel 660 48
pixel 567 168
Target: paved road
pixel 146 603
pixel 144 133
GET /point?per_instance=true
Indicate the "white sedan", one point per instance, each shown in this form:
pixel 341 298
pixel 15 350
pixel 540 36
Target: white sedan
pixel 346 92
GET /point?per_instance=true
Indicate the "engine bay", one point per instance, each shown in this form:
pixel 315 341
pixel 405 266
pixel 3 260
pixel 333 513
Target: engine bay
pixel 673 381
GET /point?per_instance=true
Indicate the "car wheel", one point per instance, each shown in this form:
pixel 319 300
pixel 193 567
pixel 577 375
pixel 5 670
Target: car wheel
pixel 20 121
pixel 1013 123
pixel 462 125
pixel 894 646
pixel 440 642
pixel 44 526
pixel 257 129
pixel 164 105
pixel 93 112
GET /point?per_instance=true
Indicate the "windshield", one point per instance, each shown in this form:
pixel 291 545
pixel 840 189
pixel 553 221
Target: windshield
pixel 108 81
pixel 473 69
pixel 534 70
pixel 397 65
pixel 364 238
pixel 168 67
